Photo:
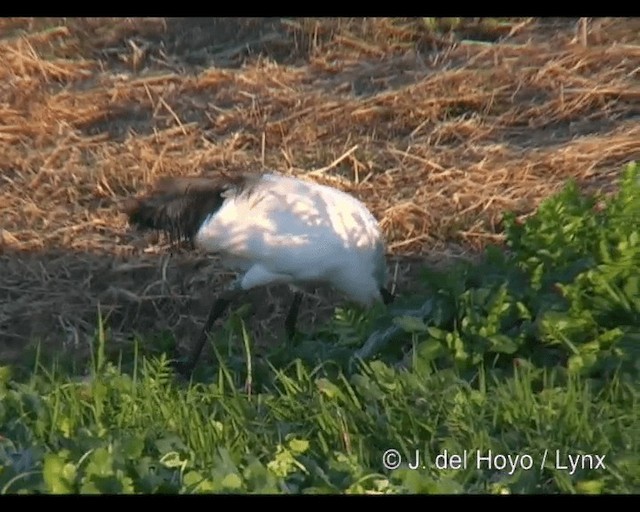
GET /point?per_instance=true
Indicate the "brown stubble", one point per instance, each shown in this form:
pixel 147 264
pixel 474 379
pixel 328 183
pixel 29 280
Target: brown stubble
pixel 439 135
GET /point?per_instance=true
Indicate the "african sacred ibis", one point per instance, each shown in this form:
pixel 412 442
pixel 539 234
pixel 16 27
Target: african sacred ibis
pixel 271 228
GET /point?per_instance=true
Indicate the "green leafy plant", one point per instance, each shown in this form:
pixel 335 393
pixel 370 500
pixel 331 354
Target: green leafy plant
pixel 567 292
pixel 532 354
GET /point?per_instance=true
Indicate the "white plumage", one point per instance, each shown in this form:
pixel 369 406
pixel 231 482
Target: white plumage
pixel 273 229
pixel 286 230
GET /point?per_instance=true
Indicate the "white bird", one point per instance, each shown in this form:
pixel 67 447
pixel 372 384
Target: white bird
pixel 271 229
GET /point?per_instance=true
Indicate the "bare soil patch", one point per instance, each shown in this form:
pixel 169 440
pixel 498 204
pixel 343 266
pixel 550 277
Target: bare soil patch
pixel 439 132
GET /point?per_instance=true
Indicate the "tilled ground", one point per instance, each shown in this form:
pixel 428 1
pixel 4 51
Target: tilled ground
pixel 439 132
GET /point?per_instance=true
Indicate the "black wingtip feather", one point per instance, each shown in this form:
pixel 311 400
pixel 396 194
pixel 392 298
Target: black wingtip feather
pixel 177 206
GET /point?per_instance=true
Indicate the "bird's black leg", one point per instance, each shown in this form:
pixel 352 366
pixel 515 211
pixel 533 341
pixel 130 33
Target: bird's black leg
pixel 292 316
pixel 217 309
pixel 387 296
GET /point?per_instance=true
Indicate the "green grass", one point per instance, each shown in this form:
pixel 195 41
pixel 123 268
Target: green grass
pixel 530 358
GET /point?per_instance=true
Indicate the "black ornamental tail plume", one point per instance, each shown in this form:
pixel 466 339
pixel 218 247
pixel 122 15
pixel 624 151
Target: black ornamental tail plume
pixel 178 206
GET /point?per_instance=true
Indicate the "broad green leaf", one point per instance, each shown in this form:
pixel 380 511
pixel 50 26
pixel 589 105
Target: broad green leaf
pixel 410 324
pixel 58 474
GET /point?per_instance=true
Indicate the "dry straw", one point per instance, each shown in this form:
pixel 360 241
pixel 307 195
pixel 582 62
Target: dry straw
pixel 439 133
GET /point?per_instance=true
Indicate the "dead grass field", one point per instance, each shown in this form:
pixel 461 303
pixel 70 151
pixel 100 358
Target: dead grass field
pixel 438 132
